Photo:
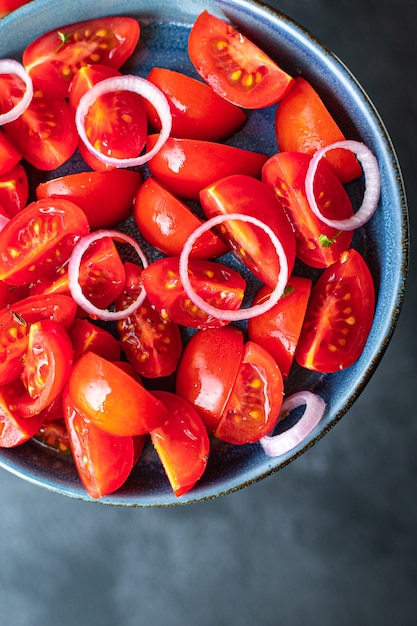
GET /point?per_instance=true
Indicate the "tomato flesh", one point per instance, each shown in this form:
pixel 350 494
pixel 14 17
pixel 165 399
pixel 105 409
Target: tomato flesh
pixel 86 336
pixel 9 154
pixel 94 387
pixel 181 442
pixel 53 58
pixel 339 316
pixel 234 66
pixel 14 190
pixel 15 430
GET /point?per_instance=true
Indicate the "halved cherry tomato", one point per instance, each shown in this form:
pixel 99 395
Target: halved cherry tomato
pixel 95 387
pixel 243 194
pixel 14 190
pixel 166 222
pixel 85 78
pixel 102 275
pixel 15 321
pixel 45 134
pixel 53 436
pixel 304 124
pixel 151 343
pixel 278 329
pixel 86 336
pixel 255 400
pixel 218 284
pixel 53 58
pixel 103 461
pixel 105 197
pixel 46 367
pixel 15 430
pixel 186 166
pixel 7 6
pixel 9 155
pixel 317 244
pixel 181 442
pixel 39 240
pixel 339 316
pixel 208 369
pixel 197 111
pixel 234 66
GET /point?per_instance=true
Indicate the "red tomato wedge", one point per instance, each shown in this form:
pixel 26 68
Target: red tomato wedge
pixel 243 194
pixel 151 343
pixel 181 442
pixel 7 6
pixel 102 275
pixel 186 166
pixel 95 387
pixel 278 329
pixel 304 124
pixel 15 430
pixel 339 316
pixel 45 134
pixel 15 321
pixel 86 336
pixel 208 370
pixel 197 111
pixel 53 58
pixel 255 400
pixel 317 244
pixel 14 190
pixel 9 154
pixel 106 197
pixel 103 461
pixel 85 78
pixel 234 66
pixel 166 222
pixel 217 284
pixel 46 367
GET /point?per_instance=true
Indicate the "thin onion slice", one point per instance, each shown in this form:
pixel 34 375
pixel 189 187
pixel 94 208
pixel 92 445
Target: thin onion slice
pixel 241 314
pixel 74 273
pixel 137 85
pixel 10 66
pixel 372 184
pixel 276 445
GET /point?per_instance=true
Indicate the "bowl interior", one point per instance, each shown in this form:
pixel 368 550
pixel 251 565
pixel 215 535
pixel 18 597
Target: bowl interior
pixel 383 241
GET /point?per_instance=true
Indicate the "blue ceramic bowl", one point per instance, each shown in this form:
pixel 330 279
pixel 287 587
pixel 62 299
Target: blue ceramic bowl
pixel 383 242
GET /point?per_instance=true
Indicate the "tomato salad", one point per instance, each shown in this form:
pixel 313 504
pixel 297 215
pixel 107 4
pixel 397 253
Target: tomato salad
pixel 91 327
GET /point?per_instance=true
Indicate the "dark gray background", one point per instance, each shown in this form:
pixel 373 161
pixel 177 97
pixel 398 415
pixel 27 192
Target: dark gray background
pixel 330 540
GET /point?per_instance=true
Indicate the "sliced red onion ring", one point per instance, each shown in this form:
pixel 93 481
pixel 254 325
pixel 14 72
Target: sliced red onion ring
pixel 138 85
pixel 74 273
pixel 372 184
pixel 241 314
pixel 275 445
pixel 10 66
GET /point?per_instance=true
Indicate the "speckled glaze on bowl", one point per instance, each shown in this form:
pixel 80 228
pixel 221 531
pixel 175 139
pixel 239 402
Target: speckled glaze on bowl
pixel 383 242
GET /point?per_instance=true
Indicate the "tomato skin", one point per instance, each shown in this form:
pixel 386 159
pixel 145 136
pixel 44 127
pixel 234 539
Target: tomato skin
pixel 111 399
pixel 15 430
pixel 242 194
pixel 52 63
pixel 151 343
pixel 255 400
pixel 106 197
pixel 208 369
pixel 218 284
pixel 45 133
pixel 15 321
pixel 40 239
pixel 9 155
pixel 166 222
pixel 46 367
pixel 87 336
pixel 304 124
pixel 285 172
pixel 85 78
pixel 197 111
pixel 186 166
pixel 14 190
pixel 181 442
pixel 103 461
pixel 339 316
pixel 216 50
pixel 278 329
pixel 7 6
